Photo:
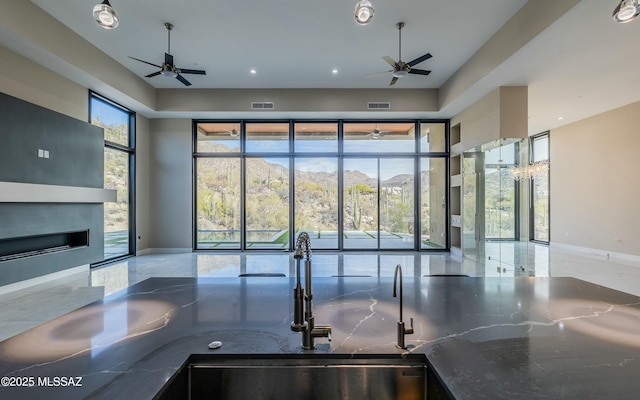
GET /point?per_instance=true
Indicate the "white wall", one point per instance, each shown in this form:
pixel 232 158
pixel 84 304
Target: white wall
pixel 595 182
pixel 170 198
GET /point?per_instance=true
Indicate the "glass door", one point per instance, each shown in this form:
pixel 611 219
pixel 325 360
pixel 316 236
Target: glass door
pixel 473 240
pixel 360 203
pixel 540 189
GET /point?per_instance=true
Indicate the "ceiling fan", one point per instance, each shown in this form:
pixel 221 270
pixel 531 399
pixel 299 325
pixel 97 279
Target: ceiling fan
pixel 233 133
pixel 401 68
pixel 377 133
pixel 168 68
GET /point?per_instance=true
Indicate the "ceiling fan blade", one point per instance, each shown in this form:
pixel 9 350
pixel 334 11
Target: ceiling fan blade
pixel 168 59
pixel 390 61
pixel 393 81
pixel 183 80
pixel 419 60
pixel 146 62
pixel 153 74
pixel 419 71
pixel 192 71
pixel 379 73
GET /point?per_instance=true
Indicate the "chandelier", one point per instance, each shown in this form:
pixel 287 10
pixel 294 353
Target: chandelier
pixel 530 171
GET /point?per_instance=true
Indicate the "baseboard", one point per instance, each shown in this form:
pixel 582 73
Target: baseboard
pixel 456 253
pixel 143 252
pixel 12 287
pixel 167 250
pixel 597 253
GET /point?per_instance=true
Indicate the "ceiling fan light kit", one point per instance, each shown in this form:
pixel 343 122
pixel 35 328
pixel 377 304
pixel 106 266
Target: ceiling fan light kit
pixel 363 12
pixel 626 11
pixel 105 15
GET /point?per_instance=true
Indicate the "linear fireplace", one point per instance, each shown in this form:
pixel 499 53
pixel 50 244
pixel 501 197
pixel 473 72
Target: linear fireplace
pixel 28 246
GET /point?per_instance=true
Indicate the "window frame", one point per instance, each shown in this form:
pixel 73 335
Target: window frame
pixel 129 149
pixel 532 139
pixel 415 155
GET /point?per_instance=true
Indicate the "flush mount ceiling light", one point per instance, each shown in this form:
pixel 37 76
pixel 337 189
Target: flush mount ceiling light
pixel 105 15
pixel 363 12
pixel 626 11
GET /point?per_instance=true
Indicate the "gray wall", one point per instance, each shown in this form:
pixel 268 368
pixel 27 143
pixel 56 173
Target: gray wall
pixel 170 198
pixel 76 159
pixel 143 173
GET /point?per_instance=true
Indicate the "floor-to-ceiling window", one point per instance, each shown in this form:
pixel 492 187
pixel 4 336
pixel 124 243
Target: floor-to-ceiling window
pixel 119 171
pixel 500 193
pixel 350 185
pixel 316 182
pixel 540 188
pixel 433 211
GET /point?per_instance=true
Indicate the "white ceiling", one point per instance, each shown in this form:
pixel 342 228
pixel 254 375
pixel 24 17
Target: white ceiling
pixel 583 64
pixel 290 43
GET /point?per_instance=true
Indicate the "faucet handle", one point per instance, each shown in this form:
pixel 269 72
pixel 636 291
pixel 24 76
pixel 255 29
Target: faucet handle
pixel 322 331
pixel 409 330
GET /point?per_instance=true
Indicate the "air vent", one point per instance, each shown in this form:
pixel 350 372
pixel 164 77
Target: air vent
pixel 379 105
pixel 263 105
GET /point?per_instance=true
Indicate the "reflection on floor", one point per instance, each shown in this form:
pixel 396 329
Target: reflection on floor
pixel 27 308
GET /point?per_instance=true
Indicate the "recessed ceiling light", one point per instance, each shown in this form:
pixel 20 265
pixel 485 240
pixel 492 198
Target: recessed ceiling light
pixel 334 71
pixel 560 118
pixel 253 71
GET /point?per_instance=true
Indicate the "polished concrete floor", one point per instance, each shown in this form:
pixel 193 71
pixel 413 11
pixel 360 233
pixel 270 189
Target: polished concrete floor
pixel 26 308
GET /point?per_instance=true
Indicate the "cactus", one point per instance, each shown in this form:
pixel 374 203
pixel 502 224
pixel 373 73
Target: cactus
pixel 357 211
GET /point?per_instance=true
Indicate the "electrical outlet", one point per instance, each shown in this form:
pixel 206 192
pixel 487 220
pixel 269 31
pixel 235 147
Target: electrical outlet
pixel 46 154
pixel 40 153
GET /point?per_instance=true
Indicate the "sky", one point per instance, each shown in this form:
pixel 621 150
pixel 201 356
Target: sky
pixel 329 164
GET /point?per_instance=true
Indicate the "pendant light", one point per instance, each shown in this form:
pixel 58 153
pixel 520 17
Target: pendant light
pixel 626 11
pixel 363 12
pixel 105 15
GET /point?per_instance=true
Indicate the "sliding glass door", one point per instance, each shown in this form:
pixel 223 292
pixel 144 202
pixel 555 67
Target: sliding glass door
pixel 316 200
pixel 267 203
pixel 360 203
pixel 397 205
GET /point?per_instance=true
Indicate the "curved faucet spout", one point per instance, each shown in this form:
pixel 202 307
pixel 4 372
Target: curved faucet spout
pixel 303 246
pixel 401 330
pixel 395 284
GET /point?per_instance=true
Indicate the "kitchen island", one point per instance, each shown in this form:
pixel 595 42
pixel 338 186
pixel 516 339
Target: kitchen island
pixel 484 338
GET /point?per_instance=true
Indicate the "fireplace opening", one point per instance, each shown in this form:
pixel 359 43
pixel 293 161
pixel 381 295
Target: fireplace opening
pixel 28 246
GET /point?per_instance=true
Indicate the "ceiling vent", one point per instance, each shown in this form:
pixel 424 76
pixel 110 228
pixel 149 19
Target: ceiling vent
pixel 378 105
pixel 263 105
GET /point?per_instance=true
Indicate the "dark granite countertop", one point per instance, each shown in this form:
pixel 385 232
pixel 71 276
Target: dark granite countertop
pixel 486 338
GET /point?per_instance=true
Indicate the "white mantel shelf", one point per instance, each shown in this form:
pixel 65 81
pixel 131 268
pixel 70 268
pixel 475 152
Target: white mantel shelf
pixel 14 192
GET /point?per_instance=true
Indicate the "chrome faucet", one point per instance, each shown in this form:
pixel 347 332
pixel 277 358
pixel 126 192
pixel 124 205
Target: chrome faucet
pixel 305 322
pixel 400 328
